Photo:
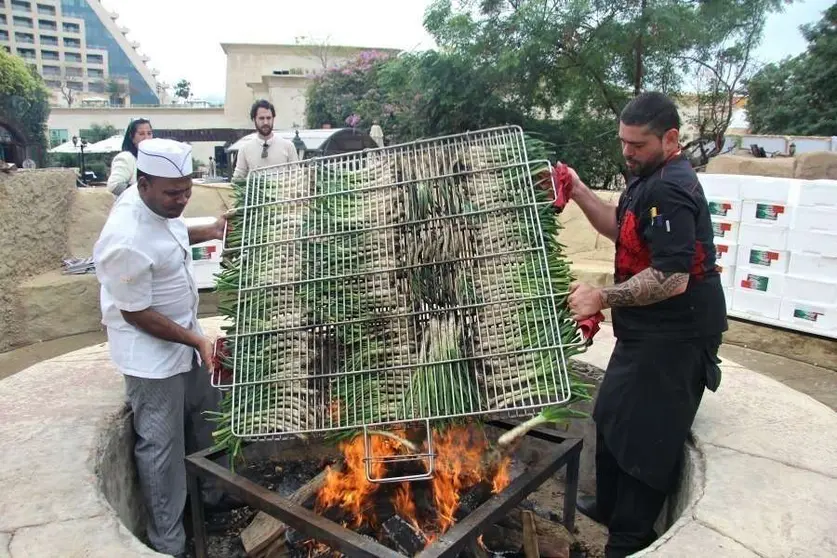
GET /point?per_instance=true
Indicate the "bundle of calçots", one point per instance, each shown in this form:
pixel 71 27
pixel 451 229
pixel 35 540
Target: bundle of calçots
pixel 382 305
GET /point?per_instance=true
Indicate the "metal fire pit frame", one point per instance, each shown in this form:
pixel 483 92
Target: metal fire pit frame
pixel 566 453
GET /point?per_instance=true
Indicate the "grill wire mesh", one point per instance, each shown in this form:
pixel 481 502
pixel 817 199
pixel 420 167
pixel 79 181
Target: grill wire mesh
pixel 394 285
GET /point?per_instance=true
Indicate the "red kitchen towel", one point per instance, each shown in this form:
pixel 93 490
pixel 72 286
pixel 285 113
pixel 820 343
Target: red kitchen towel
pixel 590 326
pixel 563 184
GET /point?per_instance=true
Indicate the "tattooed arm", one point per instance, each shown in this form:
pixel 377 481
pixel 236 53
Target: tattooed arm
pixel 644 288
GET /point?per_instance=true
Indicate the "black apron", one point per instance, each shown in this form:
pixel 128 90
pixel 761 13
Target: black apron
pixel 648 401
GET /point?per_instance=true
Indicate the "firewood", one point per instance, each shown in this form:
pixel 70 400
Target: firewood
pixel 403 536
pixel 530 535
pixel 554 541
pixel 265 529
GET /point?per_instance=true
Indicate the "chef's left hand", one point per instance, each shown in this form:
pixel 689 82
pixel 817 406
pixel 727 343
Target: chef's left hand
pixel 584 301
pixel 221 223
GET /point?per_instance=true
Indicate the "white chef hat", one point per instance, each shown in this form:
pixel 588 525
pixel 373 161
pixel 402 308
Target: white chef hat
pixel 164 158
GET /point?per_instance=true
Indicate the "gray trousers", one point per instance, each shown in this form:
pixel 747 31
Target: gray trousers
pixel 169 425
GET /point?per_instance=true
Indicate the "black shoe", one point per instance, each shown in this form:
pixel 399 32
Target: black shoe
pixel 587 506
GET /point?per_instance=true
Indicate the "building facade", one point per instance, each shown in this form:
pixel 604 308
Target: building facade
pixel 80 50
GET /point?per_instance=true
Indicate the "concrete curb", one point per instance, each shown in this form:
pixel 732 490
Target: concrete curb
pixel 68 487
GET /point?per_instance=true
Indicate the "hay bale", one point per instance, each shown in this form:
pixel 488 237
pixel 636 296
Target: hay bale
pixel 815 165
pixel 743 165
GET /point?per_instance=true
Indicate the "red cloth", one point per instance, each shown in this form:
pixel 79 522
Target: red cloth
pixel 590 326
pixel 563 185
pixel 220 374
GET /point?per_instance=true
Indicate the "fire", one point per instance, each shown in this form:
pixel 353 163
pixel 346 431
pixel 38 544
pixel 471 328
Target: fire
pixel 460 464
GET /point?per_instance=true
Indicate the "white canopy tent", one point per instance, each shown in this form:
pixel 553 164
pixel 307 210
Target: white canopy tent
pixel 66 147
pixel 112 144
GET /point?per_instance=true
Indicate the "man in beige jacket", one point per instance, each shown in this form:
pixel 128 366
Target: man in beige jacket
pixel 266 148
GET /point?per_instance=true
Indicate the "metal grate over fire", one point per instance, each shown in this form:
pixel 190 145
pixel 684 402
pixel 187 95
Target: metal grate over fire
pixel 401 284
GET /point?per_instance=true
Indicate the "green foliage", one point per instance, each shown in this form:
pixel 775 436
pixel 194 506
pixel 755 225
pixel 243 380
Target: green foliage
pixel 183 89
pixel 799 95
pixel 24 100
pixel 99 132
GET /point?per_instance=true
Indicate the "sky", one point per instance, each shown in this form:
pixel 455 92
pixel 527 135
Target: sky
pixel 183 37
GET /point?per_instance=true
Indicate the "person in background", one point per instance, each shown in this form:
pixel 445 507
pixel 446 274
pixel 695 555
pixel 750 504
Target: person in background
pixel 149 301
pixel 123 169
pixel 669 314
pixel 266 148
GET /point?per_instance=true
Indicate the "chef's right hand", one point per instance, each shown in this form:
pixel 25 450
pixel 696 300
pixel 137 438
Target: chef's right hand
pixel 205 349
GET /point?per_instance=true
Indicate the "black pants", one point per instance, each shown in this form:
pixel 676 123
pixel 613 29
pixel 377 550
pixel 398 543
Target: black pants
pixel 628 506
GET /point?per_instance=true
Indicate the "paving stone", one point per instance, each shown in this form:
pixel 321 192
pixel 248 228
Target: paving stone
pixel 98 537
pixel 755 414
pixel 694 539
pixel 773 509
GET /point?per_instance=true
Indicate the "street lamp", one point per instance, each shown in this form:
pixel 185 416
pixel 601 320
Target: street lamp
pixel 81 143
pixel 299 144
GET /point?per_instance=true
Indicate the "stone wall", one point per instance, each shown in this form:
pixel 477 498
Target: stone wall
pixel 34 217
pixel 44 219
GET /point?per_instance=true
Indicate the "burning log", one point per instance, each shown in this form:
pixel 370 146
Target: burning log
pixel 403 536
pixel 553 539
pixel 265 530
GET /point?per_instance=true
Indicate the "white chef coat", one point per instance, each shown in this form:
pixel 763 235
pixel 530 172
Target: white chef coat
pixel 144 261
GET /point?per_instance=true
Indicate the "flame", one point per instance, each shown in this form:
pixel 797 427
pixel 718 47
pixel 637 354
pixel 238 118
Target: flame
pixel 459 465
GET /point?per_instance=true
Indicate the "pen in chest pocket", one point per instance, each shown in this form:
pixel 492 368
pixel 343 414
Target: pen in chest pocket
pixel 657 220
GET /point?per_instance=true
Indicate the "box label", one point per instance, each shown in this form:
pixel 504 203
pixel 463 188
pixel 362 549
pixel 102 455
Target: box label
pixel 203 252
pixel 763 257
pixel 769 212
pixel 719 209
pixel 721 229
pixel 755 282
pixel 803 314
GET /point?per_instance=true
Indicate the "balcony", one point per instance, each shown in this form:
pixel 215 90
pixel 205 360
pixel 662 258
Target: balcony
pixel 135 45
pixel 22 22
pixel 46 10
pixel 24 38
pixel 21 7
pixel 71 28
pixel 45 25
pixel 124 30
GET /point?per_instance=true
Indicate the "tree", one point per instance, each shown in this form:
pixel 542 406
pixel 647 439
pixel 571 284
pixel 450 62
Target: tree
pixel 798 96
pixel 68 92
pixel 99 132
pixel 580 60
pixel 24 102
pixel 117 91
pixel 183 89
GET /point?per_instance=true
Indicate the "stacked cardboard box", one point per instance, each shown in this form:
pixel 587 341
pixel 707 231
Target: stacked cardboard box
pixel 206 256
pixel 776 240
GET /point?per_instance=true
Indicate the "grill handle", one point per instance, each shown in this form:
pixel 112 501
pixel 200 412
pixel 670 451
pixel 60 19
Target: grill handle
pixel 370 459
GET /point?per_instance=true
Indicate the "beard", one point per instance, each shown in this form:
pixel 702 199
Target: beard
pixel 264 130
pixel 645 169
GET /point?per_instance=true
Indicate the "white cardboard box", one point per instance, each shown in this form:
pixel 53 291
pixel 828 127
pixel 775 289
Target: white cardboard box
pixel 727 274
pixel 816 316
pixel 725 208
pixel 725 229
pixel 812 290
pixel 726 253
pixel 760 281
pixel 813 242
pixel 766 213
pixel 762 258
pixel 815 219
pixel 724 186
pixel 766 189
pixel 728 295
pixel 775 238
pixel 814 266
pixel 205 274
pixel 814 193
pixel 756 303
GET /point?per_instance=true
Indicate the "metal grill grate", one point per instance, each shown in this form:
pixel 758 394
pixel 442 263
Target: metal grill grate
pixel 393 285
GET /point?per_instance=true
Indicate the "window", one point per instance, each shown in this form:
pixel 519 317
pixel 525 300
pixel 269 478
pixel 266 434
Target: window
pixel 4 35
pixel 28 53
pixel 21 6
pixel 47 25
pixel 25 38
pixel 3 19
pixel 94 73
pixel 18 21
pixel 71 27
pixel 49 55
pixel 73 72
pixel 96 86
pixel 75 85
pixel 72 43
pixel 52 71
pixel 57 137
pixel 48 40
pixel 52 83
pixel 43 9
pixel 72 57
pixel 95 59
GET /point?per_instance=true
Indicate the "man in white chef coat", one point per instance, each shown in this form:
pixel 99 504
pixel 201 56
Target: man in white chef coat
pixel 149 304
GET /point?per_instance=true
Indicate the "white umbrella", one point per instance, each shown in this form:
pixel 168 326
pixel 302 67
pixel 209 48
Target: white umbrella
pixel 66 147
pixel 111 145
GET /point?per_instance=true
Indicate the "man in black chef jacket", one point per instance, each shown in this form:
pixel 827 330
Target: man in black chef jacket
pixel 668 316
